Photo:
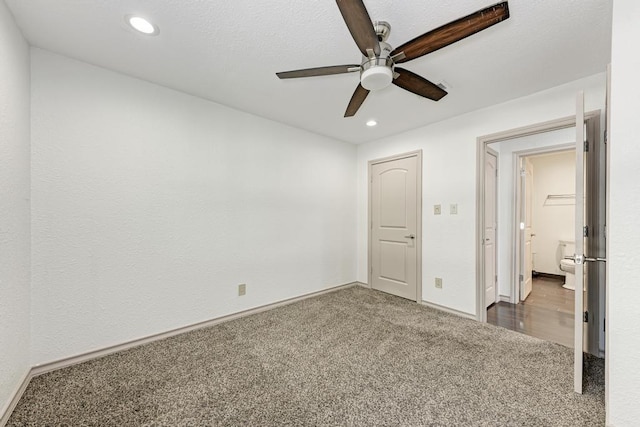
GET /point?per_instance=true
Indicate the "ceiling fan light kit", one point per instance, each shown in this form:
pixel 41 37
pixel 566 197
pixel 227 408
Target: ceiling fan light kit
pixel 378 68
pixel 377 73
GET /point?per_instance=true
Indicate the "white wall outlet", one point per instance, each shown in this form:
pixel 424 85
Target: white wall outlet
pixel 437 209
pixel 439 282
pixel 242 289
pixel 453 209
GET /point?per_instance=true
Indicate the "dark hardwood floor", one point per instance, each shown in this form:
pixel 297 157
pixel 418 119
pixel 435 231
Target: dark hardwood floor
pixel 547 313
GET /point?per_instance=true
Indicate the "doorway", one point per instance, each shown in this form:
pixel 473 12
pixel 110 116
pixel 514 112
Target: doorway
pixel 513 281
pixel 544 198
pixel 395 225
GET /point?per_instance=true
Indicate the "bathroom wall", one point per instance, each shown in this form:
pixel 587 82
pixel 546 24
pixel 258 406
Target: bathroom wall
pixel 15 244
pixel 553 220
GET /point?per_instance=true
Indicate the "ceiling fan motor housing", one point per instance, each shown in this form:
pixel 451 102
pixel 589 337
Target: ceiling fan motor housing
pixel 377 73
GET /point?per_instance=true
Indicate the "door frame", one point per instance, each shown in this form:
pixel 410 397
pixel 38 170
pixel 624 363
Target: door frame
pixel 518 156
pixel 481 146
pixel 418 242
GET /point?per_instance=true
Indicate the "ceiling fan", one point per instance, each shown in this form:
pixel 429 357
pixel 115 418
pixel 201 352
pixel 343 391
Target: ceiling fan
pixel 378 68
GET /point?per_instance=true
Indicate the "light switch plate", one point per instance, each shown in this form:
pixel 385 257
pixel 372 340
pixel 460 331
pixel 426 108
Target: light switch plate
pixel 437 209
pixel 453 209
pixel 439 282
pixel 242 289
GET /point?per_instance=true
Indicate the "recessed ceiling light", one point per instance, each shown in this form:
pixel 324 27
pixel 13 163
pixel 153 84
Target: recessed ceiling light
pixel 142 25
pixel 371 123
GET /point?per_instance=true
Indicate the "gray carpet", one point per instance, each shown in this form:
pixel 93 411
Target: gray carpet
pixel 354 357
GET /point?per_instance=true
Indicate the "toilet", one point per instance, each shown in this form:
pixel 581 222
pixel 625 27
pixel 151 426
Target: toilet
pixel 568 249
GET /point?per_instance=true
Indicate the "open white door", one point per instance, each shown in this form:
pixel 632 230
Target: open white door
pixel 579 255
pixel 490 224
pixel 526 270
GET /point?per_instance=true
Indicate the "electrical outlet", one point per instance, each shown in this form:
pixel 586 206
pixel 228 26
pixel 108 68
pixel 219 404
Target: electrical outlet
pixel 439 282
pixel 453 209
pixel 242 289
pixel 437 209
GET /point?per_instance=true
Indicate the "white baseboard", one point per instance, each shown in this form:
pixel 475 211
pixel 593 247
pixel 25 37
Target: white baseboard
pixel 84 357
pixel 449 310
pixel 504 298
pixel 5 412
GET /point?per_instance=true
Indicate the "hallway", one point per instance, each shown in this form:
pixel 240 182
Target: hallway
pixel 547 313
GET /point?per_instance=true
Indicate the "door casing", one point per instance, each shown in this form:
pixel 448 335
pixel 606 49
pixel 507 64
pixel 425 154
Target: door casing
pixel 517 241
pixel 418 242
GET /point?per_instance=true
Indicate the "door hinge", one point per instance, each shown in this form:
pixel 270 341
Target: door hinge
pixel 521 278
pixel 586 317
pixel 585 231
pixel 523 172
pixel 586 146
pixel 496 278
pixel 496 173
pixel 606 136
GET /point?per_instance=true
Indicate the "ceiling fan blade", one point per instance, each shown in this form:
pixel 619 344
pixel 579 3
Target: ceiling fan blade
pixel 418 85
pixel 319 71
pixel 452 32
pixel 360 26
pixel 357 99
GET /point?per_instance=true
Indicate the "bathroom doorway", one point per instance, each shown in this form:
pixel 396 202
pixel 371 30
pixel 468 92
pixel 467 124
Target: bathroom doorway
pixel 547 192
pixel 544 201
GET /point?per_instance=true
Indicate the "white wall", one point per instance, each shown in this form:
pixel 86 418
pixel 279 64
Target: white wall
pixel 507 197
pixel 14 208
pixel 623 257
pixel 150 207
pixel 450 177
pixel 552 220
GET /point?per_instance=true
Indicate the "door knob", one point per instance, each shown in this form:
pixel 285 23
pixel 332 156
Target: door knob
pixel 410 236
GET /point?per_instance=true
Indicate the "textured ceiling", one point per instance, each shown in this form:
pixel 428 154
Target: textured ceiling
pixel 229 52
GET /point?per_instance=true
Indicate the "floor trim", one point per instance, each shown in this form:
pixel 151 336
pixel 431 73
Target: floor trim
pixel 449 310
pixel 549 276
pixel 504 298
pixel 5 413
pixel 84 357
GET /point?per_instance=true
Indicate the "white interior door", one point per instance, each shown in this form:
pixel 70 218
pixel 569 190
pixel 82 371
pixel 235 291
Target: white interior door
pixel 527 220
pixel 394 227
pixel 490 180
pixel 579 255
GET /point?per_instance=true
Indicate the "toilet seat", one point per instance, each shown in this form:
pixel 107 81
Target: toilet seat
pixel 568 265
